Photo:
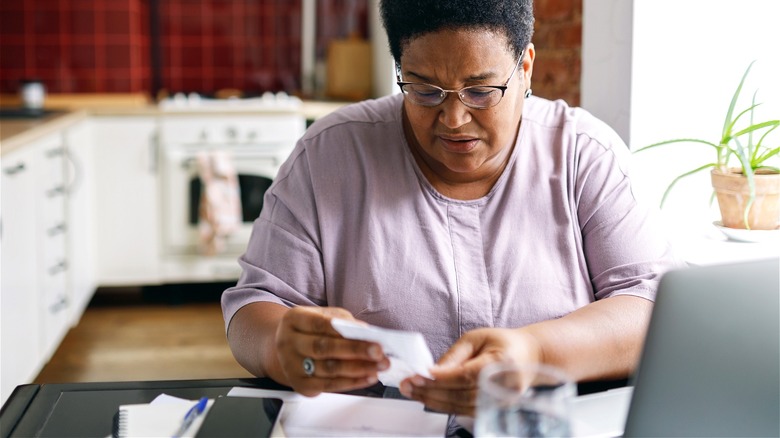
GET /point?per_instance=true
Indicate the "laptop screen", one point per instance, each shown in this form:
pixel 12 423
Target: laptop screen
pixel 711 360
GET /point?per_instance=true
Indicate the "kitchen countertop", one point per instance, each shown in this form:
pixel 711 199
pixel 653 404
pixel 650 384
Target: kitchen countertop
pixel 15 133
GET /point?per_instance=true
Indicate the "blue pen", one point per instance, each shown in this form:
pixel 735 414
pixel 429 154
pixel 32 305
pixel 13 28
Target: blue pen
pixel 191 415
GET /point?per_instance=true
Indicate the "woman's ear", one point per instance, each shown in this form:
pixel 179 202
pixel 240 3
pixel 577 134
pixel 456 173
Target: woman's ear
pixel 528 64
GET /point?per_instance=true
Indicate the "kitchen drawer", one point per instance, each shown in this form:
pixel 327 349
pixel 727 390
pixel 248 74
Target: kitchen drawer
pixel 52 218
pixel 53 255
pixel 55 304
pixel 53 164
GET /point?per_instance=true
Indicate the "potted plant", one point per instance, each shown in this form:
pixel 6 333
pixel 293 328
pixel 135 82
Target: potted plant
pixel 748 194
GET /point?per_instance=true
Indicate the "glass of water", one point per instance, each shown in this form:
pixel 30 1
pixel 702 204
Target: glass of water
pixel 523 401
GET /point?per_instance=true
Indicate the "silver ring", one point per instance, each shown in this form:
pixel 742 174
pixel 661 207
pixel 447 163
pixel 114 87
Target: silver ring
pixel 308 366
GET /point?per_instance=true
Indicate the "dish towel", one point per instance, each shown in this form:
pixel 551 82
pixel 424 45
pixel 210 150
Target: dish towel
pixel 220 201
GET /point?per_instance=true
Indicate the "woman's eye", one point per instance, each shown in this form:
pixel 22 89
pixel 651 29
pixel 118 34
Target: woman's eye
pixel 427 92
pixel 480 92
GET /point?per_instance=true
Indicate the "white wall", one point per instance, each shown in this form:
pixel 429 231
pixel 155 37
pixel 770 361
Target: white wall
pixel 383 64
pixel 661 69
pixel 606 61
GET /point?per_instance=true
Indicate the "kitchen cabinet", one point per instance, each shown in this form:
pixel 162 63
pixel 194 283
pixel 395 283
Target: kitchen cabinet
pixel 20 319
pixel 46 247
pixel 127 229
pixel 80 215
pixel 35 295
pixel 52 229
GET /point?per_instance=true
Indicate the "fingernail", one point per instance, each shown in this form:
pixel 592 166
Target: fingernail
pixel 405 389
pixel 371 380
pixel 375 352
pixel 383 365
pixel 418 381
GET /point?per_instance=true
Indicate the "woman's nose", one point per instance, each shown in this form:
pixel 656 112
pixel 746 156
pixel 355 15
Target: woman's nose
pixel 454 113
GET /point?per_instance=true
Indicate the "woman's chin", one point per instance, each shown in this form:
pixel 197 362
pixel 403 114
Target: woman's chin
pixel 459 147
pixel 463 168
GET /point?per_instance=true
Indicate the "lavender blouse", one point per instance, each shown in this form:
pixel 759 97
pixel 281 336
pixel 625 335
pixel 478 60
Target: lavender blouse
pixel 351 221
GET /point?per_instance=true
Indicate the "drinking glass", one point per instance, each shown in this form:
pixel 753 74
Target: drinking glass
pixel 523 401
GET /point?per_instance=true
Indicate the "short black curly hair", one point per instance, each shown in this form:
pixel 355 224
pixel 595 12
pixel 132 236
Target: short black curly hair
pixel 405 20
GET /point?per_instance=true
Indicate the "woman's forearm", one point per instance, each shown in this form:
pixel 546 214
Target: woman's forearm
pixel 252 339
pixel 602 340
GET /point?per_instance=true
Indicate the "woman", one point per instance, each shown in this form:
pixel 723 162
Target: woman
pixel 501 226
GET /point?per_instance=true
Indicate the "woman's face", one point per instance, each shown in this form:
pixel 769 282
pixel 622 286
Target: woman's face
pixel 457 143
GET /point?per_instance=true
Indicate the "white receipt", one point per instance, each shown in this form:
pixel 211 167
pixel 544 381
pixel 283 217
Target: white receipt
pixel 407 351
pixel 342 415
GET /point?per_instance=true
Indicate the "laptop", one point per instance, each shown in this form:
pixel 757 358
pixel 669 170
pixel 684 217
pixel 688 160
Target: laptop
pixel 711 360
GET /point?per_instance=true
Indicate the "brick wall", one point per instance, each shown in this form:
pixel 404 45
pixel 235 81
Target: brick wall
pixel 558 42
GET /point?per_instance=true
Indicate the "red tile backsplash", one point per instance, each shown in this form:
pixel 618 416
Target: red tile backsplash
pixel 103 46
pixel 86 46
pixel 208 45
pixel 75 46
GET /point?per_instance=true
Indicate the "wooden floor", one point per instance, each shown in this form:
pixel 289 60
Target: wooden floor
pixel 146 334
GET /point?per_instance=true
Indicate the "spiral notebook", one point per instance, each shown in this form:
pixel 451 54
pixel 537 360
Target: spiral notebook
pixel 224 416
pixel 162 417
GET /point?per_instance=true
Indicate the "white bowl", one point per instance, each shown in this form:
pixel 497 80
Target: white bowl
pixel 753 236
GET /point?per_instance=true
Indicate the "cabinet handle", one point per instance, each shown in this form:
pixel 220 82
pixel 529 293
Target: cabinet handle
pixel 60 305
pixel 57 229
pixel 15 169
pixel 154 150
pixel 56 152
pixel 57 191
pixel 62 266
pixel 76 174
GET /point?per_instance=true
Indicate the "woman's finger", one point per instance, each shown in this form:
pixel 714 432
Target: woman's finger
pixel 462 401
pixel 294 344
pixel 340 348
pixel 311 386
pixel 461 351
pixel 333 368
pixel 315 320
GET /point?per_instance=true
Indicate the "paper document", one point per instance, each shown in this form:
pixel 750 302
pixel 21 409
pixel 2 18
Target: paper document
pixel 161 417
pixel 330 414
pixel 602 414
pixel 408 352
pixel 597 415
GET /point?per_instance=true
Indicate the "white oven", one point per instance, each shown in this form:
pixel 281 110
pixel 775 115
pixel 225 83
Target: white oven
pixel 257 144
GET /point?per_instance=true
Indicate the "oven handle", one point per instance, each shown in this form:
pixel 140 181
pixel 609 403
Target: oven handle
pixel 190 162
pixel 154 150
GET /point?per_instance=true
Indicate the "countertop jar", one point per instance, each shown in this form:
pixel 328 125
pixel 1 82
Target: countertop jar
pixel 33 94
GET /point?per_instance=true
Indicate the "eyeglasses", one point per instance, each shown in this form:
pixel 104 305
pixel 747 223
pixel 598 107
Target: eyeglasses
pixel 475 96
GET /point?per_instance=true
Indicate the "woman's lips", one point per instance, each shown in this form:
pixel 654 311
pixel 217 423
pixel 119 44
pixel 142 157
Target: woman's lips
pixel 459 145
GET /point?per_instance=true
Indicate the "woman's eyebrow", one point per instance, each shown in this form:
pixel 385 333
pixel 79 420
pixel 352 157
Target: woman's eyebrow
pixel 474 78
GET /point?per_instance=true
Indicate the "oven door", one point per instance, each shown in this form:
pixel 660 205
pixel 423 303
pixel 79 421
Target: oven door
pixel 256 168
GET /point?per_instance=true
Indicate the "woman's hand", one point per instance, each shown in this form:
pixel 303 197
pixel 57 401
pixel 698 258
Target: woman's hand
pixel 339 364
pixel 454 389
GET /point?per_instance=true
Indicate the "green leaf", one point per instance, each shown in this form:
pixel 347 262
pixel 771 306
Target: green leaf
pixel 753 161
pixel 727 123
pixel 756 127
pixel 674 181
pixel 677 140
pixel 748 172
pixel 756 162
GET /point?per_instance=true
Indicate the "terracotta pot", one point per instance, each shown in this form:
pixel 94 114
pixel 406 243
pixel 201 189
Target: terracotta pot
pixel 733 193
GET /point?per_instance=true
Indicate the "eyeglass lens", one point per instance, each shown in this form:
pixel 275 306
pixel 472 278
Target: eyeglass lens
pixel 430 95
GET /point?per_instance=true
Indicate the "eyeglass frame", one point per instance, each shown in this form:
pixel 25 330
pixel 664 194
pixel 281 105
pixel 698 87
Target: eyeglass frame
pixel 401 84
